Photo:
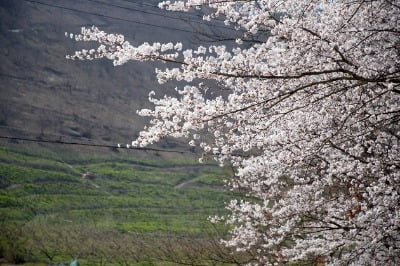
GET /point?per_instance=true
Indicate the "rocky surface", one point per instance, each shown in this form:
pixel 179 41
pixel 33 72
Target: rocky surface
pixel 43 95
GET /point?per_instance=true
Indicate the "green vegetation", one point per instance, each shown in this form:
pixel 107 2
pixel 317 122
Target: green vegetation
pixel 98 197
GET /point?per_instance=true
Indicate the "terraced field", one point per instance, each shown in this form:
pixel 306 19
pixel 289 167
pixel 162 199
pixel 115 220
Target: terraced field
pixel 52 205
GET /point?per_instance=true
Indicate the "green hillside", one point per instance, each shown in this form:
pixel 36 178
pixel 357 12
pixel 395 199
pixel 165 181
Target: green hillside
pixel 50 204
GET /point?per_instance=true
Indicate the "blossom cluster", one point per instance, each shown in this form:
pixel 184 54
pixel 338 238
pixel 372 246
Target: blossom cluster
pixel 115 48
pixel 309 119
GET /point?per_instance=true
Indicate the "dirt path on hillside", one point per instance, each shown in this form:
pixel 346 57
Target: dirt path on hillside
pixel 185 183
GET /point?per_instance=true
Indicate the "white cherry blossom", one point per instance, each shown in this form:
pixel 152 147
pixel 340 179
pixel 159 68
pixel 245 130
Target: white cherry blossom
pixel 311 123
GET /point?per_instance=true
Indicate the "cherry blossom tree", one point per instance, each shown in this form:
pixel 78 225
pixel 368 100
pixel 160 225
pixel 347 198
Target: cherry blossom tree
pixel 309 119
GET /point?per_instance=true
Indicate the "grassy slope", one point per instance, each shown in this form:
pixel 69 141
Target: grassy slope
pixel 128 195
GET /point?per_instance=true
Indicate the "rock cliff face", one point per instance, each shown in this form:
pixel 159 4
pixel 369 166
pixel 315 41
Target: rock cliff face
pixel 44 95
